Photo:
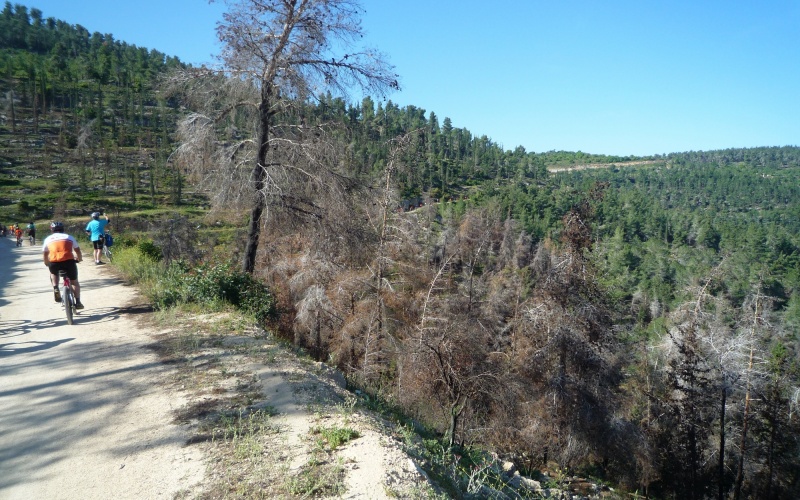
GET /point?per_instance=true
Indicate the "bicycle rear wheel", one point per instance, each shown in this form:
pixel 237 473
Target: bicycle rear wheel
pixel 68 301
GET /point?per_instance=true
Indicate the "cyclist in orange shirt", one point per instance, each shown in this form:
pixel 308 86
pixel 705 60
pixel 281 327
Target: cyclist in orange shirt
pixel 62 252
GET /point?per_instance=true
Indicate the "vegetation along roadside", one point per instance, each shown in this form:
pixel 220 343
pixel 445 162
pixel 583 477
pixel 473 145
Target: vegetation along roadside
pixel 636 324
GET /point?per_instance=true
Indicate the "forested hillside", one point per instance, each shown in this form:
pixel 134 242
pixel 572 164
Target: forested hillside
pixel 638 321
pixel 81 119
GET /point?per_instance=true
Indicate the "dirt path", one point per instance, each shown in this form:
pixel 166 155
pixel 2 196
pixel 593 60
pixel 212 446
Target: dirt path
pixel 86 411
pixel 81 413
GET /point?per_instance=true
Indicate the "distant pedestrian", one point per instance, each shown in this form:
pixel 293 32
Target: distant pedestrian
pixel 96 229
pixel 32 232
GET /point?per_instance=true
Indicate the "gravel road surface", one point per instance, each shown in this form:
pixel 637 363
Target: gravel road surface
pixel 83 414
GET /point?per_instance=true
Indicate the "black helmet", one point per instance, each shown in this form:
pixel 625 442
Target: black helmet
pixel 57 227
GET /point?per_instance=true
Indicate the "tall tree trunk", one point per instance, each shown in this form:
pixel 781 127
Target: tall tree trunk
pixel 259 175
pixel 134 181
pixel 455 412
pixel 13 111
pixel 177 187
pixel 773 420
pixel 106 168
pixel 722 444
pixel 746 416
pixel 35 106
pixel 318 350
pixel 152 184
pixel 693 460
pixel 743 443
pixel 43 81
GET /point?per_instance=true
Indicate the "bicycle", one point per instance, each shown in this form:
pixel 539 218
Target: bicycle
pixel 19 240
pixel 67 297
pixel 106 249
pixel 32 239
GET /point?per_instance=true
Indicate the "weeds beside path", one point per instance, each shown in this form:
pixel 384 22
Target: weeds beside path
pixel 274 424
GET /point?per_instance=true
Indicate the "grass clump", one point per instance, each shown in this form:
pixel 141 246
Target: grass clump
pixel 243 427
pixel 318 478
pixel 334 437
pixel 176 283
pixel 245 465
pixel 137 267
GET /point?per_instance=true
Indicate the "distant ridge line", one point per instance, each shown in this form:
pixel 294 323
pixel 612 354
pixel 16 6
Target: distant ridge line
pixel 588 166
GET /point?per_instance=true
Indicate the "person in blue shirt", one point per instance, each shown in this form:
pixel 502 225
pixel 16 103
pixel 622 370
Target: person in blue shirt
pixel 32 232
pixel 96 229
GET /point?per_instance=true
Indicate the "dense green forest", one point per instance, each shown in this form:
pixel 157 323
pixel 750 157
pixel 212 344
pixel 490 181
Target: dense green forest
pixel 76 105
pixel 637 319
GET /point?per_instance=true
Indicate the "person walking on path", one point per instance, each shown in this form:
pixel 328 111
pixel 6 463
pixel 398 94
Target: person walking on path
pixel 96 229
pixel 32 232
pixel 61 252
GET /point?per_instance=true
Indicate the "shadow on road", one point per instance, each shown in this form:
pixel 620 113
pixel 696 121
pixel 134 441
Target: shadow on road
pixel 34 388
pixel 26 347
pixel 136 309
pixel 92 399
pixel 14 328
pixel 8 271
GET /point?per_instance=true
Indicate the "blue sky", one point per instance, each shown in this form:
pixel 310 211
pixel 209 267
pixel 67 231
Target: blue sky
pixel 631 77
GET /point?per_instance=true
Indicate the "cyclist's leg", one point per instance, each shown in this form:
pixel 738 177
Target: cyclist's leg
pixel 76 290
pixel 72 272
pixel 54 281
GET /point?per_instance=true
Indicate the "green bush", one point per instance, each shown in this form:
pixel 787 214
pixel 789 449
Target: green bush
pixel 256 299
pixel 212 282
pixel 170 287
pixel 208 284
pixel 149 249
pixel 136 266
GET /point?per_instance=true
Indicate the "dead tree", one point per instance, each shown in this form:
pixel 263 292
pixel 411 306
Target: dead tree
pixel 277 55
pixel 448 352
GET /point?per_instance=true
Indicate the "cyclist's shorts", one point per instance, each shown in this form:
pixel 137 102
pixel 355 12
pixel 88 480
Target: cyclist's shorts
pixel 70 266
pixel 98 244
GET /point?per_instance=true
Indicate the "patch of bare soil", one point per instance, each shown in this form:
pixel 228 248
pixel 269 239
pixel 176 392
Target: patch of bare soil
pixel 276 425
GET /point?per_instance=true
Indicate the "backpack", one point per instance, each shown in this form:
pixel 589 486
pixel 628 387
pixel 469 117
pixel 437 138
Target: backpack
pixel 109 240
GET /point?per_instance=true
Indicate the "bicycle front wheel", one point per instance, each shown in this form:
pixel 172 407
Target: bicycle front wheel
pixel 107 252
pixel 68 301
